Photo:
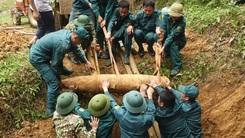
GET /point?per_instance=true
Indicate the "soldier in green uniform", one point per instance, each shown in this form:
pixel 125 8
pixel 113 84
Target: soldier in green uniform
pixel 69 125
pixel 173 26
pixel 82 20
pixel 47 55
pixel 187 97
pixel 169 115
pixel 146 22
pixel 136 116
pixel 120 28
pixel 98 106
pixel 103 10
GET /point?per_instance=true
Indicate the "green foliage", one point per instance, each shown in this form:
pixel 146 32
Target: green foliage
pixel 145 67
pixel 6 5
pixel 19 85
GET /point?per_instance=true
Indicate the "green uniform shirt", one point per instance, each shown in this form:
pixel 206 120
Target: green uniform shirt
pixel 172 121
pixel 80 4
pixel 173 32
pixel 52 48
pixel 133 125
pixel 192 114
pixel 107 122
pixel 148 24
pixel 104 8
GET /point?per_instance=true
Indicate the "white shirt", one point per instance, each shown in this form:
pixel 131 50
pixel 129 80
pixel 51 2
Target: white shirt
pixel 43 5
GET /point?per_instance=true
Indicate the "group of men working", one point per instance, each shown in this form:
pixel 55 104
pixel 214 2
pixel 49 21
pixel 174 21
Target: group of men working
pixel 178 113
pixel 136 115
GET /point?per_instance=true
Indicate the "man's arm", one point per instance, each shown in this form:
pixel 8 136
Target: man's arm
pixel 36 14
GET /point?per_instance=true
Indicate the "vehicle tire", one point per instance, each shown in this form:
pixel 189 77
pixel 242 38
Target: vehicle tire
pixel 31 19
pixel 16 17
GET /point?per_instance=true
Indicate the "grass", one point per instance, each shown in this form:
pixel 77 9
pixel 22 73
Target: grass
pixel 5 12
pixel 6 5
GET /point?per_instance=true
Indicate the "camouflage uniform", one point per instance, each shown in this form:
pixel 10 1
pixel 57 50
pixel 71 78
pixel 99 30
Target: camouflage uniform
pixel 71 126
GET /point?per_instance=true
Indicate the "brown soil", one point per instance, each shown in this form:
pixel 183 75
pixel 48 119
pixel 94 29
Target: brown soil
pixel 221 93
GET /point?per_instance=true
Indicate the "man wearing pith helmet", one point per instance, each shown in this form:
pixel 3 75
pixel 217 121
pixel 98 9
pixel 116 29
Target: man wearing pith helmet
pixel 98 106
pixel 135 116
pixel 69 125
pixel 173 26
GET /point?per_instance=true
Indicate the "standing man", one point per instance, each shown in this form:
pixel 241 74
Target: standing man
pixel 147 21
pixel 82 7
pixel 43 14
pixel 120 28
pixel 47 56
pixel 173 26
pixel 103 10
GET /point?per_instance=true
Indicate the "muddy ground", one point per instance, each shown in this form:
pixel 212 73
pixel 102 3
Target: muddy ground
pixel 221 93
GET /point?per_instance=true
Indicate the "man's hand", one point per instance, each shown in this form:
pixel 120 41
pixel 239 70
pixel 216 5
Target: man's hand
pixel 72 86
pixel 105 84
pixel 150 92
pixel 103 23
pixel 130 30
pixel 143 88
pixel 36 15
pixel 153 82
pixel 94 123
pixel 99 19
pixel 108 35
pixel 89 66
pixel 167 84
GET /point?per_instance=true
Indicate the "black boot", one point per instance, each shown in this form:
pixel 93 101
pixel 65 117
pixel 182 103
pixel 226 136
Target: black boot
pixel 126 57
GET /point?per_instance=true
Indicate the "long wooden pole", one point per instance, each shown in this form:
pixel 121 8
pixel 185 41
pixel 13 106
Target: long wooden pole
pixel 110 53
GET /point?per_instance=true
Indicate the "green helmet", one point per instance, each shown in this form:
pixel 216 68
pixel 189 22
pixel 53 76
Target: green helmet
pixel 99 105
pixel 66 102
pixel 176 10
pixel 134 102
pixel 83 21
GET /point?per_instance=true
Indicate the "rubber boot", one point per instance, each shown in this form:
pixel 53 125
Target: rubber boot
pixel 126 58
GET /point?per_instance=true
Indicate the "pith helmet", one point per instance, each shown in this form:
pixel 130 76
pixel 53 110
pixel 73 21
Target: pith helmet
pixel 66 102
pixel 176 10
pixel 134 102
pixel 99 105
pixel 83 20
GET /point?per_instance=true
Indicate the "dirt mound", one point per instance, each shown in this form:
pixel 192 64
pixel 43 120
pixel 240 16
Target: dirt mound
pixel 12 41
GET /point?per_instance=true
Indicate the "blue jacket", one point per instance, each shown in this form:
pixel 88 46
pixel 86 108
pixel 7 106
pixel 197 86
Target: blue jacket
pixel 171 121
pixel 192 114
pixel 133 125
pixel 106 124
pixel 51 49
